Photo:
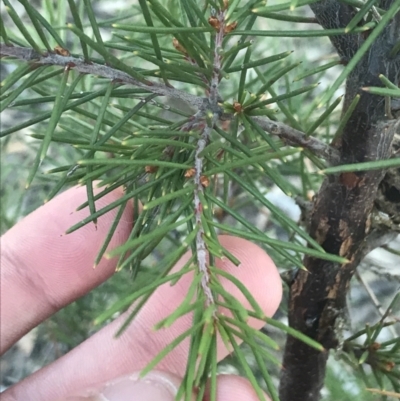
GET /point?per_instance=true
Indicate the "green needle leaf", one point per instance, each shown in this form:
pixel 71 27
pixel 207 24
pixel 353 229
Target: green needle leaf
pixel 395 92
pixel 3 32
pixel 373 165
pixel 276 99
pixel 324 116
pixel 241 287
pixel 345 118
pixel 93 140
pixel 317 70
pixel 33 16
pixel 78 23
pixel 93 22
pixel 154 362
pixel 304 33
pixel 154 40
pixel 24 85
pixel 360 15
pixel 14 77
pixel 157 233
pixel 109 58
pixel 130 162
pixel 259 62
pixel 110 233
pixel 249 374
pixel 21 26
pixel 168 197
pixel 161 30
pixel 127 301
pixel 387 83
pixel 281 6
pixel 282 244
pixel 59 105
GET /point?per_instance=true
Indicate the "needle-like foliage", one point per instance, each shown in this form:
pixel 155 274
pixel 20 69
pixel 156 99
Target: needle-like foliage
pixel 198 109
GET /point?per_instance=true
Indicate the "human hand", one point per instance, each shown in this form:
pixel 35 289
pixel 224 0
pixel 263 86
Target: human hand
pixel 43 270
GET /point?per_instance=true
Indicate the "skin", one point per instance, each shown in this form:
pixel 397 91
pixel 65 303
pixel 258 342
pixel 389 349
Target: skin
pixel 43 270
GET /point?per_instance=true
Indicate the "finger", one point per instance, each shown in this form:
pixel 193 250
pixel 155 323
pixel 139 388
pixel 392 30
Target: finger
pixel 155 386
pixel 43 269
pixel 104 357
pixel 163 386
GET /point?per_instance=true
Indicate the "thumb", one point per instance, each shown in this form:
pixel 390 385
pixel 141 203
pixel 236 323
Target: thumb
pixel 155 386
pixel 163 386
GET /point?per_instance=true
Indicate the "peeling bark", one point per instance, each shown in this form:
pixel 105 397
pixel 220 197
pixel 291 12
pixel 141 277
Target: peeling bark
pixel 342 207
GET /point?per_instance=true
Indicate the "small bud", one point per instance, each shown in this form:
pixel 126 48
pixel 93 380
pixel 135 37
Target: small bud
pixel 178 46
pixel 214 22
pixel 151 169
pixel 375 346
pixel 310 195
pixel 389 365
pixel 219 213
pixel 190 172
pixel 61 51
pixel 230 27
pixel 204 181
pixel 237 107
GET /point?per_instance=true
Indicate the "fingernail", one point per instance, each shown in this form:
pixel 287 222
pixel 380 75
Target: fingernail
pixel 155 386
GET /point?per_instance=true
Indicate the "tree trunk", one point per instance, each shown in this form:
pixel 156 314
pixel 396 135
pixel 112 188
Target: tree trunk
pixel 340 219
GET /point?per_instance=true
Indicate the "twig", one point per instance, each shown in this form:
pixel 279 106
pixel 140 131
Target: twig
pixel 370 293
pixel 376 238
pixel 374 300
pixel 78 64
pixel 294 137
pixel 201 248
pixel 213 96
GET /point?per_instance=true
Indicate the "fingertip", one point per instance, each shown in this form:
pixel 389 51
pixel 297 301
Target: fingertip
pixel 155 386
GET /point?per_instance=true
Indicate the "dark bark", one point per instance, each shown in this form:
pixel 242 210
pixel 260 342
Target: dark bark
pixel 388 200
pixel 341 211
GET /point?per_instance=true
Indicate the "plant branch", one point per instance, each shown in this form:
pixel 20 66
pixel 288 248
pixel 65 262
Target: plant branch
pixel 201 248
pixel 372 296
pixel 289 135
pixel 294 137
pixel 101 70
pixel 376 238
